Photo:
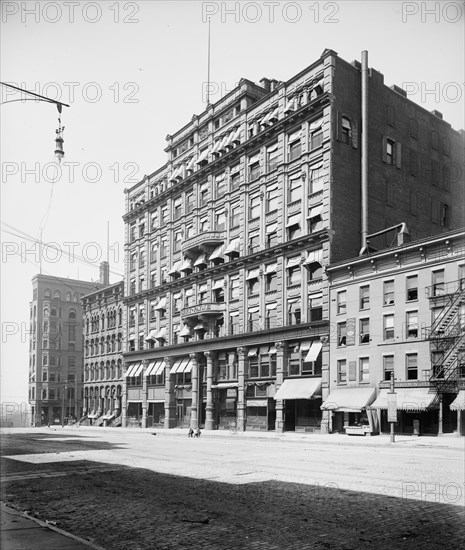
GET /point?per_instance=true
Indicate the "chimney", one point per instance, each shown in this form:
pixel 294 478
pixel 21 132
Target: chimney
pixel 265 84
pixel 273 84
pixel 437 113
pixel 105 273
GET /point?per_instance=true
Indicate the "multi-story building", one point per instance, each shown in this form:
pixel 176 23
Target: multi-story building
pixel 400 312
pixel 227 305
pixel 55 348
pixel 103 314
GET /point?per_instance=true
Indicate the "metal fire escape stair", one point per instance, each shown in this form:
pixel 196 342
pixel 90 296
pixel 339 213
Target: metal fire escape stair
pixel 447 335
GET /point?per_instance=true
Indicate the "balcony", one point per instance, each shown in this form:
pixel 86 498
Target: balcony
pixel 440 290
pixel 199 242
pixel 207 309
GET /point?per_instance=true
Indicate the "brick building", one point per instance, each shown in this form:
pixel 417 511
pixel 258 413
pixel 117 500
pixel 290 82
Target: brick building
pixel 401 311
pixel 103 389
pixel 56 348
pixel 227 303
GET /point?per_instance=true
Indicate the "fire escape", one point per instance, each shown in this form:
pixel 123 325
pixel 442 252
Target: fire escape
pixel 447 335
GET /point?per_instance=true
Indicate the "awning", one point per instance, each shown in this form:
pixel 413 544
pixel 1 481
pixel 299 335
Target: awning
pixel 187 264
pixel 132 368
pixel 188 366
pixel 315 125
pixel 175 268
pixel 271 268
pixel 304 346
pixel 459 402
pixel 254 159
pixel 254 309
pixel 274 117
pixel 233 313
pixel 272 148
pixel 292 262
pixel 181 365
pixel 155 367
pixel 271 228
pixel 223 143
pixel 201 260
pixel 313 353
pixel 174 174
pixel 203 157
pixel 162 334
pixel 290 105
pixel 232 248
pixel 252 274
pixel 252 352
pixel 315 211
pixel 273 350
pixel 218 252
pixel 151 336
pixel 185 331
pixel 237 136
pixel 314 256
pixel 216 146
pixel 349 399
pixel 191 164
pixel 218 284
pixel 293 220
pixel 294 136
pixel 200 326
pixel 256 403
pixel 299 388
pixel 225 385
pixel 161 304
pixel 135 369
pixel 408 399
pixel 181 173
pixel 273 305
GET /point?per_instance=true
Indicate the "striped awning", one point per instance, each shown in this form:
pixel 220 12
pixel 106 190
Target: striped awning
pixel 134 369
pixel 181 365
pixel 459 402
pixel 349 399
pixel 408 399
pixel 313 352
pixel 155 367
pixel 299 388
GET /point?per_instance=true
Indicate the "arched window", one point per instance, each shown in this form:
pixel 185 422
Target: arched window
pixel 120 368
pixel 53 312
pixel 120 317
pixel 103 321
pixel 108 344
pixel 57 294
pixel 72 314
pixel 102 345
pixel 120 342
pixel 68 296
pixel 75 297
pixel 346 130
pixel 46 312
pixel 47 293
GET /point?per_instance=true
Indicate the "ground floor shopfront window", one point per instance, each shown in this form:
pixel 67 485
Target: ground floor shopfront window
pixel 134 415
pixel 302 415
pixel 260 414
pixel 227 408
pixel 155 414
pixel 413 422
pixel 183 412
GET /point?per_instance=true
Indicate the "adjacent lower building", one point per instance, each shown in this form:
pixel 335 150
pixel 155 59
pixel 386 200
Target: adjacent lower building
pixel 103 333
pixel 56 349
pixel 227 300
pixel 399 313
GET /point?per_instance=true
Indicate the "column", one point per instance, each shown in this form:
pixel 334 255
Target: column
pixel 280 358
pixel 144 393
pixel 170 399
pixel 440 419
pixel 326 417
pixel 124 405
pixel 195 392
pixel 209 421
pixel 241 353
pixel 459 422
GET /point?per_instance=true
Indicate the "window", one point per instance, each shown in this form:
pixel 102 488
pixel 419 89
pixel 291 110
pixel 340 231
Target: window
pixel 220 221
pixel 271 235
pixel 364 297
pixel 364 369
pixel 253 286
pixel 272 155
pixel 364 331
pixel 388 366
pixel 132 232
pixel 220 184
pixel 254 242
pixel 190 201
pixel 177 207
pixel 341 334
pixel 390 150
pixel 316 134
pixel 254 207
pixel 295 146
pixel 235 177
pixel 271 315
pixel 437 278
pixel 293 227
pixel 388 293
pixel 346 130
pixel 203 194
pixel 294 192
pixel 412 288
pixel 234 327
pixel 315 308
pixel 234 216
pixel 411 360
pixel 177 303
pixel 294 275
pixel 202 293
pixel 316 179
pixel 270 279
pixel 234 288
pixel 154 220
pixel 294 311
pixel 412 324
pixel 440 213
pixel 314 219
pixel 389 327
pixel 272 198
pixel 177 241
pixel 342 371
pixel 254 318
pixel 132 286
pixel 254 167
pixel 315 271
pixel 341 302
pixel 132 261
pixel 163 247
pixel 203 225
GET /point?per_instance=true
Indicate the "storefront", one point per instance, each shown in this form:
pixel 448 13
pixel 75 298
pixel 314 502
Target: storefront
pixel 134 414
pixel 260 406
pixel 226 405
pixel 349 411
pixel 417 411
pixel 302 404
pixel 458 406
pixel 181 369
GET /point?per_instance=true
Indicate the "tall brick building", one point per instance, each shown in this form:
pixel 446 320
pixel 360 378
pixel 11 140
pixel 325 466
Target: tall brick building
pixel 227 243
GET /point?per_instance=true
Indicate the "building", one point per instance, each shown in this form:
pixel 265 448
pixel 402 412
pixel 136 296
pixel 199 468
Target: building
pixel 400 312
pixel 103 314
pixel 227 297
pixel 55 348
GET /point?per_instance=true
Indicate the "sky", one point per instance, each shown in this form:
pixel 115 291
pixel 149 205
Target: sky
pixel 134 72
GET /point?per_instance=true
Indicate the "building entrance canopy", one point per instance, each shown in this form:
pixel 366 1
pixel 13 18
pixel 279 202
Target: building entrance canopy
pixel 349 399
pixel 299 388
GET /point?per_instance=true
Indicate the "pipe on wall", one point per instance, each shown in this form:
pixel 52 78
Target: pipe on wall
pixel 364 160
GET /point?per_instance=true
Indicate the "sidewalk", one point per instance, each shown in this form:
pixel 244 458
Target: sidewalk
pixel 21 532
pixel 450 441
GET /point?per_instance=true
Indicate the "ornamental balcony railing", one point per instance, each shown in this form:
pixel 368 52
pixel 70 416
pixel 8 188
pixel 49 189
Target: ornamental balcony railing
pixel 208 238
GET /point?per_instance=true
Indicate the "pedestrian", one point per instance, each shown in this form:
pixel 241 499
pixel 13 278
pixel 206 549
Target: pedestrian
pixel 197 432
pixel 191 432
